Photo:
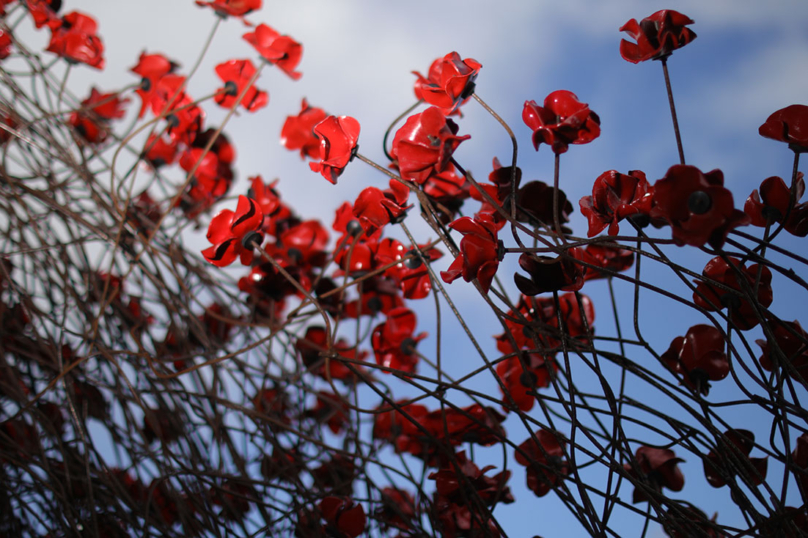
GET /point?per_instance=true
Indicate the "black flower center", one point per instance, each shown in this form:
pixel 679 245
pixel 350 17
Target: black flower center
pixel 699 202
pixel 413 260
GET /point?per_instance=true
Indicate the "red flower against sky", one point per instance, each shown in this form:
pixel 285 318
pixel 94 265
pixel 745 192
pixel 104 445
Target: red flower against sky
pixel 236 74
pixel 399 427
pixel 313 347
pixel 338 137
pixel 616 196
pixel 521 380
pixel 42 11
pixel 789 125
pixel 394 340
pixel 544 459
pixel 731 457
pixel 423 146
pixel 610 258
pixel 184 118
pixel 480 251
pixel 151 68
pixel 698 356
pixel 379 296
pixel 234 234
pixel 534 204
pixel 73 37
pixel 551 274
pixel 375 207
pixel 563 120
pixel 5 44
pixel 741 310
pixel 279 50
pixel 410 273
pixel 449 82
pixel 159 152
pixel 656 36
pixel 658 468
pixel 792 341
pixel 92 120
pixel 304 244
pixel 344 518
pixel 234 8
pixel 267 197
pixel 298 131
pixel 447 191
pixel 696 205
pixel 774 204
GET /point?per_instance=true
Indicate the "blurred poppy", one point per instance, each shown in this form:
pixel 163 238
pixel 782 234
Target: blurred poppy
pixel 544 459
pixel 698 357
pixel 279 50
pixel 151 68
pixel 790 340
pixel 563 120
pixel 375 207
pixel 73 37
pixel 298 131
pixel 233 8
pixel 658 468
pixel 742 312
pixel 394 340
pixel 236 74
pixel 344 518
pixel 656 36
pixel 521 376
pixel 449 82
pixel 92 120
pixel 731 457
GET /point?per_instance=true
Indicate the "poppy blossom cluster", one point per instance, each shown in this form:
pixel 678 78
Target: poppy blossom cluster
pixel 656 37
pixel 563 120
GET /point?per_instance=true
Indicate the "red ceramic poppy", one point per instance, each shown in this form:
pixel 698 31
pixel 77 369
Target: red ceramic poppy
pixel 534 204
pixel 234 234
pixel 789 125
pixel 344 518
pixel 449 82
pixel 335 476
pixel 731 458
pixel 268 198
pixel 233 8
pixel 151 68
pixel 563 120
pixel 73 37
pixel 183 117
pixel 741 310
pixel 5 44
pixel 656 36
pixel 394 340
pixel 447 191
pixel 616 196
pixel 696 205
pixel 375 207
pixel 481 425
pixel 298 131
pixel 774 204
pixel 237 74
pixel 544 459
pixel 611 259
pixel 698 356
pixel 454 489
pixel 42 11
pixel 658 468
pixel 522 376
pixel 338 136
pixel 398 427
pixel 480 251
pixel 790 340
pixel 305 244
pixel 551 274
pixel 397 510
pixel 410 273
pixel 279 50
pixel 423 146
pixel 92 120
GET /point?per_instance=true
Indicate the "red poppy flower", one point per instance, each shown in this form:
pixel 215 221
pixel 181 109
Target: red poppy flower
pixel 499 191
pixel 312 346
pixel 616 196
pixel 540 327
pixel 480 252
pixel 410 273
pixel 733 458
pixel 5 44
pixel 547 274
pixel 447 191
pixel 267 197
pixel 423 146
pixel 741 311
pixel 774 204
pixel 331 410
pixel 563 120
pixel 272 405
pixel 184 118
pixel 344 518
pixel 449 82
pixel 305 243
pixel 522 377
pixel 394 340
pixel 454 489
pixel 151 68
pixel 398 427
pixel 476 424
pixel 544 459
pixel 73 37
pixel 234 8
pixel 792 342
pixel 658 468
pixel 375 207
pixel 338 136
pixel 397 510
pixel 378 296
pixel 656 36
pixel 234 234
pixel 279 50
pixel 159 152
pixel 42 11
pixel 92 120
pixel 696 205
pixel 789 125
pixel 236 74
pixel 698 357
pixel 335 476
pixel 298 131
pixel 534 204
pixel 611 259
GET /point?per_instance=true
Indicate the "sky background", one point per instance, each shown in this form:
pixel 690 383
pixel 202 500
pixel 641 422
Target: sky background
pixel 749 60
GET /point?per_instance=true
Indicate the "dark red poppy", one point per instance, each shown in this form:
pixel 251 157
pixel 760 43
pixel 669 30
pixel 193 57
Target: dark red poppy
pixel 544 459
pixel 731 458
pixel 304 244
pixel 481 425
pixel 298 131
pixel 151 68
pixel 375 207
pixel 563 120
pixel 269 200
pixel 344 518
pixel 335 476
pixel 480 251
pixel 313 347
pixel 696 205
pixel 338 137
pixel 522 376
pixel 698 357
pixel 283 464
pixel 449 82
pixel 534 204
pixel 159 152
pixel 774 204
pixel 279 50
pixel 232 8
pixel 397 510
pixel 616 196
pixel 272 406
pixel 394 340
pixel 657 468
pixel 687 521
pixel 73 37
pixel 237 74
pixel 410 273
pixel 5 44
pixel 742 312
pixel 234 234
pixel 551 274
pixel 92 120
pixel 399 427
pixel 423 146
pixel 789 125
pixel 378 295
pixel 792 342
pixel 656 36
pixel 612 259
pixel 355 257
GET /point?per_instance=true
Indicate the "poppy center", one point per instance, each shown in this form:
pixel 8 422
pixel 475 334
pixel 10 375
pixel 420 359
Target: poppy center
pixel 230 88
pixel 252 240
pixel 375 304
pixel 408 346
pixel 413 260
pixel 354 228
pixel 699 202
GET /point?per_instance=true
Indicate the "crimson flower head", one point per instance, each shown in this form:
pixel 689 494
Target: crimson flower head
pixel 151 68
pixel 338 136
pixel 73 37
pixel 544 459
pixel 563 120
pixel 93 119
pixel 659 467
pixel 789 339
pixel 522 375
pixel 234 234
pixel 5 44
pixel 696 205
pixel 548 274
pixel 344 518
pixel 774 204
pixel 298 131
pixel 277 49
pixel 616 196
pixel 42 11
pixel 609 260
pixel 236 74
pixel 233 8
pixel 732 457
pixel 741 311
pixel 375 207
pixel 698 357
pixel 394 340
pixel 449 83
pixel 480 251
pixel 789 125
pixel 656 36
